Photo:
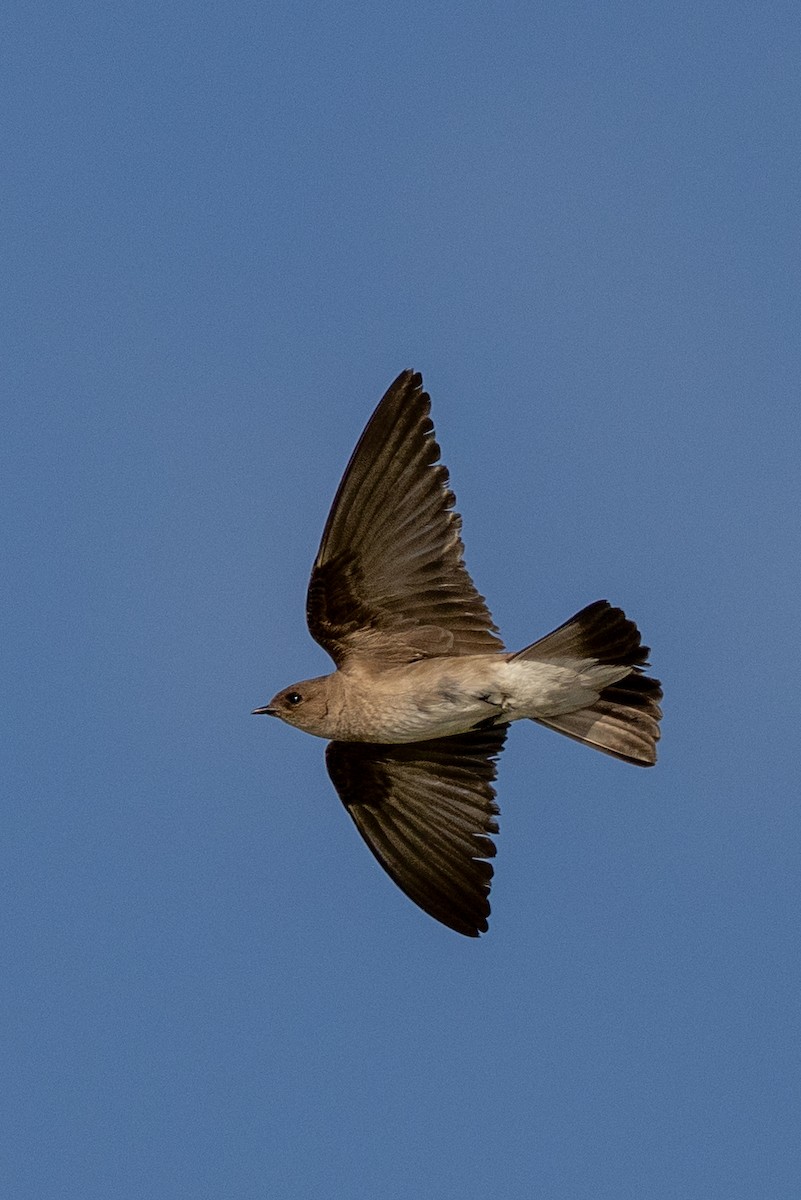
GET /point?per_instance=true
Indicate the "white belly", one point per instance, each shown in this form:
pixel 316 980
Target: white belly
pixel 439 697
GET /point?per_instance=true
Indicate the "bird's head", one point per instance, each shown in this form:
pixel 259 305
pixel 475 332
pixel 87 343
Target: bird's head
pixel 304 705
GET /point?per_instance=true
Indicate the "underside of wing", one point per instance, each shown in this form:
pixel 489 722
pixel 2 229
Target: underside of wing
pixel 389 580
pixel 427 810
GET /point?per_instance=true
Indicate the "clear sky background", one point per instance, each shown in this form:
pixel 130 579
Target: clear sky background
pixel 227 227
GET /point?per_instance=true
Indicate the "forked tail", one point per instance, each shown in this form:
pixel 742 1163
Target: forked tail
pixel 623 720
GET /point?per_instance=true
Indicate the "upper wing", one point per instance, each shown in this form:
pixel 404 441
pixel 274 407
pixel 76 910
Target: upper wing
pixel 426 810
pixel 389 580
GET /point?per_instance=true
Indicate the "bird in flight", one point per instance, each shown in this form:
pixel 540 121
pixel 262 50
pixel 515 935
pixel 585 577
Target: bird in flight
pixel 424 691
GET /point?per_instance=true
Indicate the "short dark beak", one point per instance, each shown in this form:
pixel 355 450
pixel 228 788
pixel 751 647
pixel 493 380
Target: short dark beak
pixel 267 711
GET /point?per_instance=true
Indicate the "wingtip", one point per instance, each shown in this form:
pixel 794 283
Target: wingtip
pixel 408 380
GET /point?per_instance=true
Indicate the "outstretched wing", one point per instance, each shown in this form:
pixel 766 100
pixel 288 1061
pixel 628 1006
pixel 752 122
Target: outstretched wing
pixel 426 810
pixel 389 580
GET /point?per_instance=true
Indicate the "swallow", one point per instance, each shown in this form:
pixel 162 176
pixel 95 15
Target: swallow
pixel 423 692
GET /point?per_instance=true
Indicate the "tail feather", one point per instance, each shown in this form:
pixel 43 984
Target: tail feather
pixel 599 631
pixel 623 719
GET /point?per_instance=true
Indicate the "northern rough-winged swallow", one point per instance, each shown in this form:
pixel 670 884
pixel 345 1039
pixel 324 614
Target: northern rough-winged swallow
pixel 424 691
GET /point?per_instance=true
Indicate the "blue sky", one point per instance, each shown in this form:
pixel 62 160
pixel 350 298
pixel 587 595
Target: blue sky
pixel 227 229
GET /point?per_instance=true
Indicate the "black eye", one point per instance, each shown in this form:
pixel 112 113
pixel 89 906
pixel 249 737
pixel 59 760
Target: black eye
pixel 293 698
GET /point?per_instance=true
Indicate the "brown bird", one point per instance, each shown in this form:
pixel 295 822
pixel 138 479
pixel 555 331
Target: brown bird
pixel 423 692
